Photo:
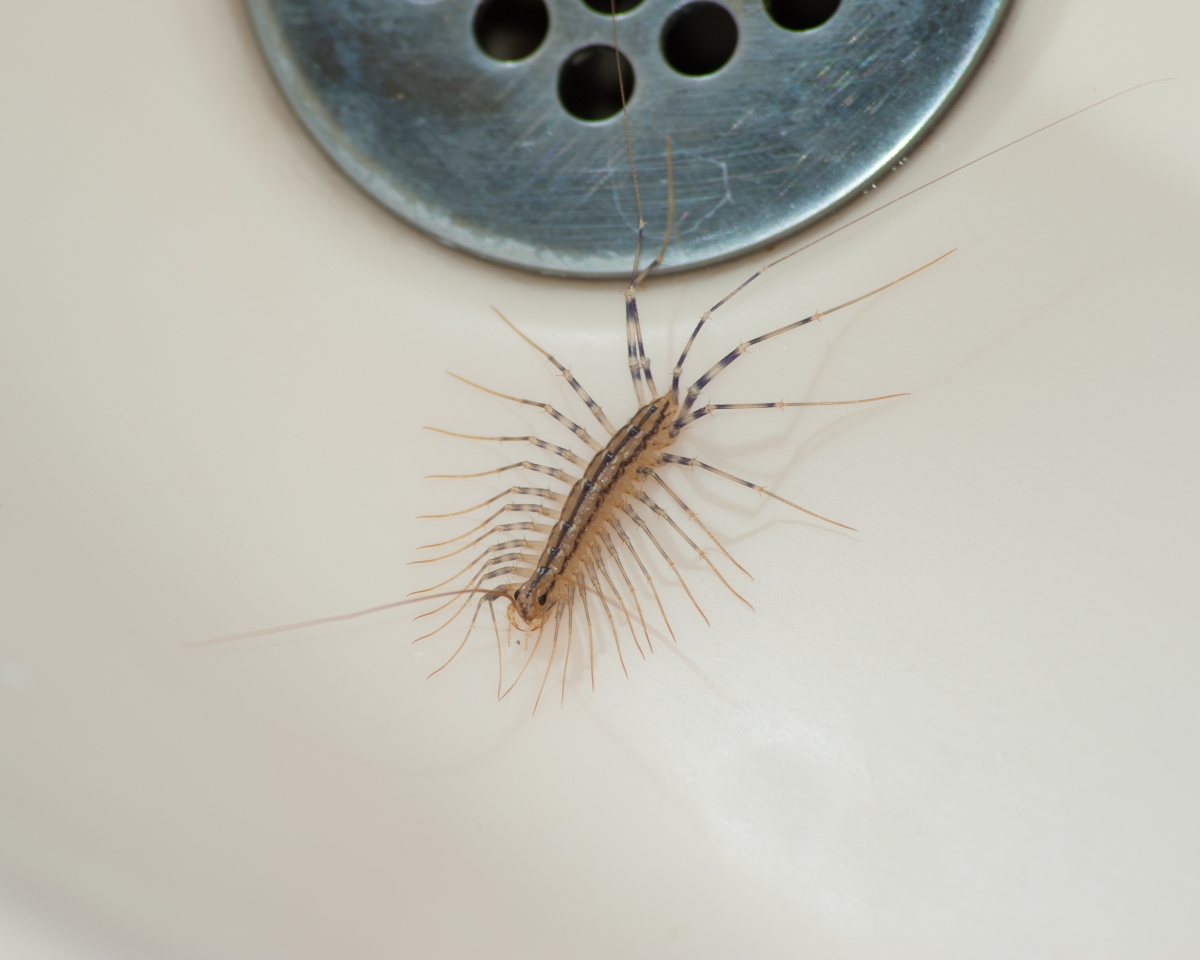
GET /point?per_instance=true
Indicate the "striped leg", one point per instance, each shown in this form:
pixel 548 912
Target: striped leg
pixel 704 318
pixel 558 451
pixel 503 545
pixel 612 550
pixel 499 528
pixel 591 571
pixel 708 315
pixel 711 373
pixel 474 586
pixel 691 514
pixel 616 525
pixel 498 559
pixel 544 407
pixel 695 462
pixel 591 404
pixel 644 527
pixel 659 511
pixel 544 493
pixel 507 508
pixel 639 363
pixel 694 390
pixel 599 558
pixel 521 465
pixel 714 407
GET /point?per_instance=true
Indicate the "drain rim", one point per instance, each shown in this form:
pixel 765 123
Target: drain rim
pixel 606 247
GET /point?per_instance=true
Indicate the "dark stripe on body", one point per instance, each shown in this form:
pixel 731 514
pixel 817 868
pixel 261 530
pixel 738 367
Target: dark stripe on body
pixel 588 496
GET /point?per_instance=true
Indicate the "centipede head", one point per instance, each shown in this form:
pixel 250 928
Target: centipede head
pixel 531 601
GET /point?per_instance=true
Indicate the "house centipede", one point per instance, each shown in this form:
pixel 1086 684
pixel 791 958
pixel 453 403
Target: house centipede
pixel 545 580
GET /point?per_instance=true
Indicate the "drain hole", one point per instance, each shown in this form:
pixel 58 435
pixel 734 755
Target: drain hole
pixel 700 39
pixel 588 85
pixel 603 6
pixel 801 14
pixel 511 29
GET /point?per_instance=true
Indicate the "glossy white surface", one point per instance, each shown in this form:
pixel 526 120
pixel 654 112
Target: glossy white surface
pixel 968 730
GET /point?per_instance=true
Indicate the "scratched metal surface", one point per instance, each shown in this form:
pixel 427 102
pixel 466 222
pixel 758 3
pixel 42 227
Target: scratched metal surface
pixel 481 154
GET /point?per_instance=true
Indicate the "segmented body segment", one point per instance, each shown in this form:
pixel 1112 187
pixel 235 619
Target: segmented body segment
pixel 608 481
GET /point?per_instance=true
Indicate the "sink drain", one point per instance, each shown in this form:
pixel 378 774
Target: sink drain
pixel 495 126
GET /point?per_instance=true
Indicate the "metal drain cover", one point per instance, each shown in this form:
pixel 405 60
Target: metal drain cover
pixel 474 121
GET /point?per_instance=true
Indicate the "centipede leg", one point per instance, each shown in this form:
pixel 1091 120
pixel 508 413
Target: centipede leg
pixel 553 650
pixel 591 404
pixel 544 493
pixel 660 512
pixel 599 558
pixel 570 631
pixel 758 488
pixel 466 636
pixel 691 515
pixel 591 647
pixel 591 570
pixel 507 508
pixel 528 660
pixel 629 583
pixel 571 425
pixel 499 650
pixel 616 525
pixel 645 528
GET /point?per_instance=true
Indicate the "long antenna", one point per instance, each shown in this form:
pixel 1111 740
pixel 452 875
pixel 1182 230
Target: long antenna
pixel 639 363
pixel 938 179
pixel 707 314
pixel 670 216
pixel 637 193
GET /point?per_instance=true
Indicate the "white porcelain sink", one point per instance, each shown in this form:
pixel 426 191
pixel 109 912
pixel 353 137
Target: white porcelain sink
pixel 967 731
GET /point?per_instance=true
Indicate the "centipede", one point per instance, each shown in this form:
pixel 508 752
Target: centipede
pixel 602 523
pixel 576 547
pixel 574 569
